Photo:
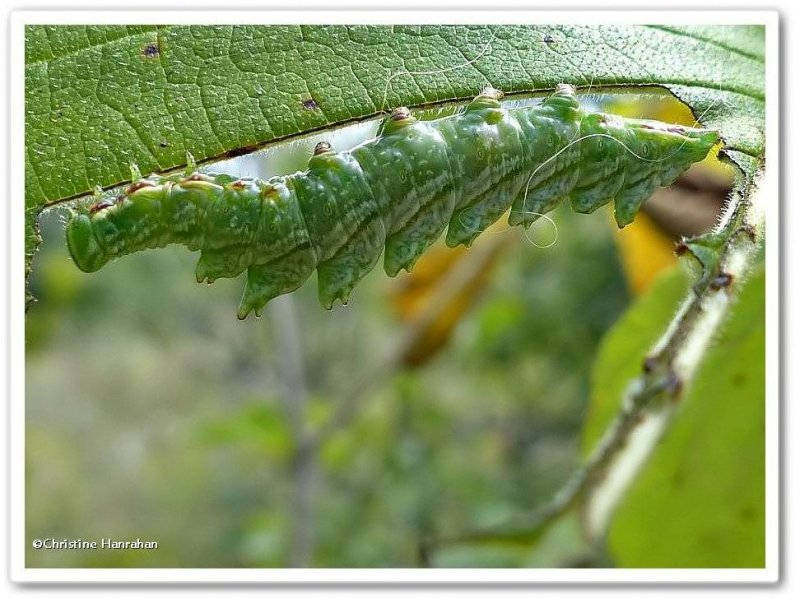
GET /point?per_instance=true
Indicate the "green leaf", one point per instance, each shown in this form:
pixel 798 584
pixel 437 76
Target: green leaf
pixel 624 348
pixel 699 502
pixel 100 97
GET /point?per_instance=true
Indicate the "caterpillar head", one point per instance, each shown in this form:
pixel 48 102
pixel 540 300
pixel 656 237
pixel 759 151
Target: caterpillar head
pixel 680 144
pixel 83 245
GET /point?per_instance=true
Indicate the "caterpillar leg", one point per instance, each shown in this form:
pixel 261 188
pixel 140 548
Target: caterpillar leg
pixel 491 172
pixel 266 281
pixel 434 202
pixel 550 183
pixel 337 276
pixel 552 133
pixel 670 174
pixel 604 155
pixel 587 199
pixel 220 263
pixel 405 246
pixel 643 175
pixel 533 202
pixel 467 223
pixel 630 199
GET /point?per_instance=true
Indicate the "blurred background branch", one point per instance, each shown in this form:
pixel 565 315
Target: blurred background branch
pixel 291 369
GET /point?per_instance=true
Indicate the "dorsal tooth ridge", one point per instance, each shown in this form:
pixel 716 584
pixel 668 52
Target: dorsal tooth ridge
pixel 565 89
pixel 323 147
pixel 400 113
pixel 491 92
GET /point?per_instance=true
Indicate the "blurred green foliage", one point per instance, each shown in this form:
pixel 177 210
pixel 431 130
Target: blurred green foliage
pixel 153 412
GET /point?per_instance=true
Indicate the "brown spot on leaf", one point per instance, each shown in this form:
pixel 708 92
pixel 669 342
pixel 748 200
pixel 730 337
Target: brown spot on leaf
pixel 747 514
pixel 151 50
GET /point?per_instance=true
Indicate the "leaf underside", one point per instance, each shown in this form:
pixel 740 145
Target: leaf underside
pixel 101 97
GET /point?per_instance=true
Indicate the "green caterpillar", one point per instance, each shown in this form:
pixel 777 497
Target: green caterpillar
pixel 394 194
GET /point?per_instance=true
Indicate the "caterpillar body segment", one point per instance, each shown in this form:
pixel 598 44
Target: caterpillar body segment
pixel 393 195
